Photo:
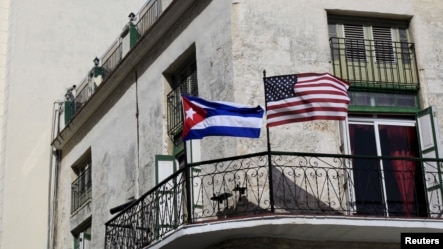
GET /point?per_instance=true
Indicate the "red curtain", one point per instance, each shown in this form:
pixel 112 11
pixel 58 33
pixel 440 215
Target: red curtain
pixel 401 139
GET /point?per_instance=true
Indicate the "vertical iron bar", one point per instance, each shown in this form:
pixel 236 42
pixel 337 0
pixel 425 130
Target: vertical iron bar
pixel 399 65
pixel 271 188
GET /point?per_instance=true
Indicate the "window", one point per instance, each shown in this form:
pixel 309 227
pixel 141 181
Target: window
pixel 183 80
pixel 381 38
pixel 182 76
pixel 393 187
pixel 386 187
pixel 81 187
pixel 377 57
pixel 82 238
pixel 373 53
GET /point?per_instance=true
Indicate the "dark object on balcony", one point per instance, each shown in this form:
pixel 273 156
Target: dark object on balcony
pixel 221 197
pixel 240 190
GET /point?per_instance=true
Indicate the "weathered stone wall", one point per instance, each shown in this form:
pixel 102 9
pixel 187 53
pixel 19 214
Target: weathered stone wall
pixel 293 38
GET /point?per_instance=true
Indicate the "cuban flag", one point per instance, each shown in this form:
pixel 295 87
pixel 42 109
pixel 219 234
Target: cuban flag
pixel 205 118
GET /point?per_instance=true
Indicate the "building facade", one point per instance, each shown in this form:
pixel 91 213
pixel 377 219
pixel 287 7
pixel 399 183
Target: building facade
pixel 123 177
pixel 45 47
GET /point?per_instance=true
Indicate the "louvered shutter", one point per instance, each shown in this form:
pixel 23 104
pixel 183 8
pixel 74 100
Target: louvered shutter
pixel 429 148
pixel 383 49
pixel 354 42
pixel 404 45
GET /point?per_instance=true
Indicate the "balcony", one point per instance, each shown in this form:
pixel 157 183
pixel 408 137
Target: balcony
pixel 375 65
pixel 85 102
pixel 130 35
pixel 342 194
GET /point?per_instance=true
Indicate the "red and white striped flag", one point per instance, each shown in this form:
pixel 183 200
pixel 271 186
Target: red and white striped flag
pixel 305 97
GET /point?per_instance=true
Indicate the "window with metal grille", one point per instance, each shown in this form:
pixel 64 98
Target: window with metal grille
pixel 81 187
pixel 372 53
pixel 184 81
pixel 395 184
pixel 357 45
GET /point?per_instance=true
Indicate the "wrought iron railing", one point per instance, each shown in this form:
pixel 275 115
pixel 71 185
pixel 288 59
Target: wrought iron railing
pixel 151 217
pixel 81 189
pixel 174 109
pixel 375 64
pixel 112 58
pixel 281 183
pixel 187 84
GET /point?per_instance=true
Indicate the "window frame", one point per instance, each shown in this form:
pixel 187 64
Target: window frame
pixel 82 235
pixel 184 79
pixel 81 186
pixel 372 58
pixel 431 194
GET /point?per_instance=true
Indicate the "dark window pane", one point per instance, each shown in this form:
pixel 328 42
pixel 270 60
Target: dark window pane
pixel 368 191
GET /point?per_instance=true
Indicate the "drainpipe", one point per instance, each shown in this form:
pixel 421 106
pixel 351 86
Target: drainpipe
pixel 52 188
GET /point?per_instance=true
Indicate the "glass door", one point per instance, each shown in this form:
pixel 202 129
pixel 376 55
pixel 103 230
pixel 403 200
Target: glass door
pixel 387 186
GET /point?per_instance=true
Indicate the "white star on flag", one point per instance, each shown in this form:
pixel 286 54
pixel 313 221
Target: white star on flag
pixel 190 113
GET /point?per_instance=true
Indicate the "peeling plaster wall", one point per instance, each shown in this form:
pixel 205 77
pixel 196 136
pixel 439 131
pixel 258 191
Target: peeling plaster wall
pixel 427 30
pixel 112 142
pixel 291 39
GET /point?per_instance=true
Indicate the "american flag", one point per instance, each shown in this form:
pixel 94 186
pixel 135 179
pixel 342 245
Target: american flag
pixel 305 97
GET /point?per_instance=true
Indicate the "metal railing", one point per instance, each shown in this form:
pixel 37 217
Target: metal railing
pixel 375 64
pixel 114 55
pixel 188 84
pixel 149 15
pixel 174 111
pixel 281 183
pixel 81 189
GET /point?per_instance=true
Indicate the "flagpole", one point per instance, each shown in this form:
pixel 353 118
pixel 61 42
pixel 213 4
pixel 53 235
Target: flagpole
pixel 187 172
pixel 266 107
pixel 188 185
pixel 271 188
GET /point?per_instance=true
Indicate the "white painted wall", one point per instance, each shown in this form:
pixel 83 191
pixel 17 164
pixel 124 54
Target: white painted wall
pixel 4 26
pixel 50 46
